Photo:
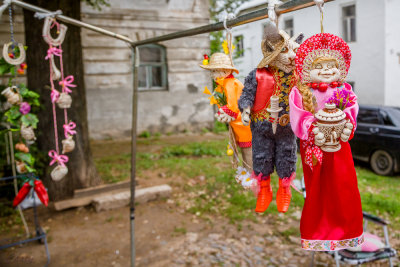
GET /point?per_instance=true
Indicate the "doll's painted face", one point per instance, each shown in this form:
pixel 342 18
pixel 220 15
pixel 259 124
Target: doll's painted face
pixel 220 73
pixel 325 70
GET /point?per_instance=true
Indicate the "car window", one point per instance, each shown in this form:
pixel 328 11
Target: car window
pixel 370 116
pixel 394 114
pixel 386 118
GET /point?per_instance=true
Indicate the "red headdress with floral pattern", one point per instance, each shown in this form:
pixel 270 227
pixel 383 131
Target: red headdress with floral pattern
pixel 322 45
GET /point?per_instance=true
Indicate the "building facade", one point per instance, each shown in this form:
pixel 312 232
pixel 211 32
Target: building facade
pixel 370 27
pixel 170 80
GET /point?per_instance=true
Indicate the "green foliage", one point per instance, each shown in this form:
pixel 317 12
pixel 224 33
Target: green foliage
pixel 97 4
pixel 217 7
pixel 14 117
pixel 220 127
pixel 145 134
pixel 193 149
pixel 221 195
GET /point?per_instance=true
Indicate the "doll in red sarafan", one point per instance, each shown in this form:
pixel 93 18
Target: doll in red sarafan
pixel 332 215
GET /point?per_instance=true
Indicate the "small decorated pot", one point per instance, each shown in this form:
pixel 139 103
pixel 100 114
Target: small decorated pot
pixel 21 168
pixel 330 122
pixel 58 173
pixel 27 133
pixel 64 101
pixel 68 145
pixel 12 95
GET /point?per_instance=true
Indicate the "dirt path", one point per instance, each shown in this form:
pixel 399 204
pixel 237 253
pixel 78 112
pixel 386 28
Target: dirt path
pixel 165 234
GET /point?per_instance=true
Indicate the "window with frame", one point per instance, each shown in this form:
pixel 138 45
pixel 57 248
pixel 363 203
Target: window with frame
pixel 288 26
pixel 152 70
pixel 349 23
pixel 238 41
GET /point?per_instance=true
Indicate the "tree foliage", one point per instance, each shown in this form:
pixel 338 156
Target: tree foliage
pixel 218 10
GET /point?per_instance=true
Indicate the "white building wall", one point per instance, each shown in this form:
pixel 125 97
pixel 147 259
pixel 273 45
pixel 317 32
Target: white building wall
pixel 368 62
pixel 392 53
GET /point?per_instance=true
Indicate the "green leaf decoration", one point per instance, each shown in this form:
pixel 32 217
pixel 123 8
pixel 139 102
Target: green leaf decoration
pixel 13 115
pixel 25 157
pixel 30 120
pixel 4 69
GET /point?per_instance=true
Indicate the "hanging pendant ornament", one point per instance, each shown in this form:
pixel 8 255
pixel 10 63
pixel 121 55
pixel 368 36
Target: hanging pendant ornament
pixel 14 61
pixel 60 170
pixel 61 31
pixel 62 99
pixel 49 23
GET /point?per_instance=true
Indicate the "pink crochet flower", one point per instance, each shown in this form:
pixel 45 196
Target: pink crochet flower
pixel 24 108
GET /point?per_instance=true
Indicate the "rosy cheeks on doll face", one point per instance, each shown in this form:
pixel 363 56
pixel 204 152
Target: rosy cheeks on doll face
pixel 325 72
pixel 220 73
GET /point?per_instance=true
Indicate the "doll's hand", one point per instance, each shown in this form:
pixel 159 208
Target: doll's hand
pixel 223 117
pixel 319 137
pixel 348 128
pixel 246 116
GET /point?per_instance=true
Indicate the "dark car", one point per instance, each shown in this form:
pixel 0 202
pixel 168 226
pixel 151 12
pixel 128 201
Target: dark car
pixel 377 138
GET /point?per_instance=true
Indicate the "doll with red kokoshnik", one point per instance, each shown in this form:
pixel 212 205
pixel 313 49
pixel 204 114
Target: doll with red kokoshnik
pixel 332 215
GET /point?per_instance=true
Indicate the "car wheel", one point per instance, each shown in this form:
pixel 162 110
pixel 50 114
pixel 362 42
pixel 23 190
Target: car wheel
pixel 382 163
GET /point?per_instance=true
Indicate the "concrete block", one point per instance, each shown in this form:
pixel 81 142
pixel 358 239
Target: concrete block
pixel 121 199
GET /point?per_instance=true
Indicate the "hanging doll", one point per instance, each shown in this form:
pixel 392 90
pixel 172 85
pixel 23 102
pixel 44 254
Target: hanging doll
pixel 323 111
pixel 226 97
pixel 265 101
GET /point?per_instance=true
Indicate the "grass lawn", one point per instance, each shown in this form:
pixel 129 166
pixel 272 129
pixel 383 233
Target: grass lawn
pixel 220 194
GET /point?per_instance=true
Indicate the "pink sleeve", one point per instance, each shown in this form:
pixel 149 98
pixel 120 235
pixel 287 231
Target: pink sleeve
pixel 300 119
pixel 352 111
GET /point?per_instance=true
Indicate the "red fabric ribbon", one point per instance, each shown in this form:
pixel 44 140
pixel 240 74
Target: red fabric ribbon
pixel 54 95
pixel 53 51
pixel 68 129
pixel 312 149
pixel 61 159
pixel 67 82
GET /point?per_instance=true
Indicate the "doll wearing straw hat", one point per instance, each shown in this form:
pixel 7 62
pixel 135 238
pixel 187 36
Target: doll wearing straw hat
pixel 221 70
pixel 265 106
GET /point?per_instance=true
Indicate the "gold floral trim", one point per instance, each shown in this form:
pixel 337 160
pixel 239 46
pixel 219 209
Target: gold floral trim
pixel 280 90
pixel 331 245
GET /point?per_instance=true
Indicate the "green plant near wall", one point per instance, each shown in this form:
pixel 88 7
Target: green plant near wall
pixel 21 114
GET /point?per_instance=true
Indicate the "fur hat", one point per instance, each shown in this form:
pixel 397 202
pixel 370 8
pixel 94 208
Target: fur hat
pixel 219 61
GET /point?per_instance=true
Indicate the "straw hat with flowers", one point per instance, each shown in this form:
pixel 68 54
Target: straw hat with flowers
pixel 219 61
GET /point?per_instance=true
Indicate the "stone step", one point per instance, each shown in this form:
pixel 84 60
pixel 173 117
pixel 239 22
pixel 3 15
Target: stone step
pixel 114 198
pixel 121 199
pixel 101 189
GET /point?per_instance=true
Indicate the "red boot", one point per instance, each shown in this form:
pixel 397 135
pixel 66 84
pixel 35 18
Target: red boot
pixel 264 197
pixel 284 194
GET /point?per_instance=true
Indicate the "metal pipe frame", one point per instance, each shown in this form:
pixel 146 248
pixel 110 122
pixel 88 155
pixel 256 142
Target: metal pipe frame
pixel 289 6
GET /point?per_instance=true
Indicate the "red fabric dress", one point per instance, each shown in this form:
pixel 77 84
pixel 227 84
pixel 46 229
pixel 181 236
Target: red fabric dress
pixel 332 215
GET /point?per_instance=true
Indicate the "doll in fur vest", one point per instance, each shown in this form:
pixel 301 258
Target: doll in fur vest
pixel 274 143
pixel 221 70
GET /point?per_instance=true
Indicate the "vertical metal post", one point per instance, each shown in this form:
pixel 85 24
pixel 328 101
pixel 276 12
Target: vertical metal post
pixel 135 66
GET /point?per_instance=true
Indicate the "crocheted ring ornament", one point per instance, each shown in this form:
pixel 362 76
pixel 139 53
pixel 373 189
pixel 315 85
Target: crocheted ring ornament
pixel 322 45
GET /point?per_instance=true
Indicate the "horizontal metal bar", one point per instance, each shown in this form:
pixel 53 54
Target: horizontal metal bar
pixel 286 7
pixel 25 175
pixel 23 241
pixel 73 21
